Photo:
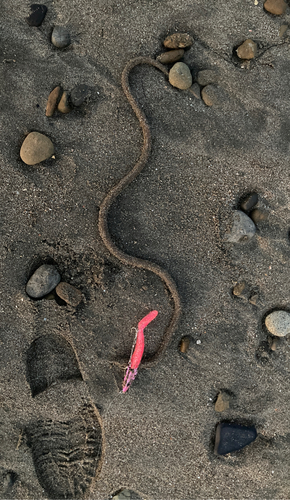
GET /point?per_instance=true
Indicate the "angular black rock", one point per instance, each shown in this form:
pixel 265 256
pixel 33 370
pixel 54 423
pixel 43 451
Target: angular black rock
pixel 233 437
pixel 79 94
pixel 37 15
pixel 249 202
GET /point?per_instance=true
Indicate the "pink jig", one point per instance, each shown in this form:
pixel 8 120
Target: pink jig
pixel 137 354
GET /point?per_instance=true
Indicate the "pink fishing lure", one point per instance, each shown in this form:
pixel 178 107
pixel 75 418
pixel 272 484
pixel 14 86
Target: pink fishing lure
pixel 138 350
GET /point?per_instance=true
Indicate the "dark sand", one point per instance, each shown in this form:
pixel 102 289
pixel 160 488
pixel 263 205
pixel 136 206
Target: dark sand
pixel 159 436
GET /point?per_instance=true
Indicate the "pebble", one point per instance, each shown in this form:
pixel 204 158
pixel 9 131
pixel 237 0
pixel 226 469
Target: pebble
pixel 243 228
pixel 171 56
pixel 123 495
pixel 38 13
pixel 195 90
pixel 274 344
pixel 180 76
pixel 43 281
pixel 254 299
pixel 36 148
pixel 52 101
pixel 184 344
pixel 178 41
pixel 79 94
pixel 239 290
pixel 278 323
pixel 283 30
pixel 207 76
pixel 259 215
pixel 63 105
pixel 247 50
pixel 276 7
pixel 223 402
pixel 60 37
pixel 69 294
pixel 209 95
pixel 249 202
pixel 233 437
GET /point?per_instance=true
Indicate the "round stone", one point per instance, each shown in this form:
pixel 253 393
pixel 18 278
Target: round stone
pixel 60 37
pixel 207 76
pixel 36 148
pixel 278 323
pixel 171 56
pixel 249 202
pixel 52 101
pixel 180 76
pixel 247 50
pixel 276 7
pixel 259 215
pixel 79 94
pixel 38 13
pixel 243 228
pixel 63 105
pixel 69 294
pixel 43 281
pixel 210 95
pixel 178 41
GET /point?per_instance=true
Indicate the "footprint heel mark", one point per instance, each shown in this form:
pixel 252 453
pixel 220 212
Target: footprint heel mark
pixel 67 451
pixel 50 358
pixel 118 188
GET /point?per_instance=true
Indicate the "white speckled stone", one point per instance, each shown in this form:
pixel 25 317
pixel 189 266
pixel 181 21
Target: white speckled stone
pixel 278 323
pixel 243 228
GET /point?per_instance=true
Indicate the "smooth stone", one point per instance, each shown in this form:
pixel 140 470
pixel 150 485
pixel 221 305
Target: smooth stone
pixel 276 7
pixel 223 402
pixel 60 37
pixel 243 228
pixel 239 290
pixel 254 299
pixel 178 41
pixel 283 29
pixel 233 437
pixel 247 50
pixel 210 95
pixel 123 495
pixel 249 202
pixel 195 90
pixel 259 215
pixel 36 148
pixel 79 94
pixel 274 344
pixel 38 13
pixel 63 105
pixel 184 344
pixel 52 101
pixel 43 281
pixel 171 56
pixel 180 76
pixel 69 294
pixel 278 323
pixel 207 76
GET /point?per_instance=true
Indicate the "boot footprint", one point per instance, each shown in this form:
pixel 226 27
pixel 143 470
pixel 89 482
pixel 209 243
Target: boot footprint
pixel 67 437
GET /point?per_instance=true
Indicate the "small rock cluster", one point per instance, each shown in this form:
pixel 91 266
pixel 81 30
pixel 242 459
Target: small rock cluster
pixel 245 220
pixel 60 37
pixel 179 75
pixel 46 279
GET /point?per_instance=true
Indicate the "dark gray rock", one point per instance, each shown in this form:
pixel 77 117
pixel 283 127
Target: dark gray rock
pixel 79 94
pixel 206 77
pixel 43 281
pixel 60 37
pixel 38 13
pixel 249 202
pixel 233 437
pixel 243 228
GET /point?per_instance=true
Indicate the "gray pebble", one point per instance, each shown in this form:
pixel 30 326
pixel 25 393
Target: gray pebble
pixel 195 90
pixel 60 37
pixel 249 202
pixel 43 281
pixel 207 76
pixel 243 228
pixel 278 323
pixel 180 76
pixel 211 95
pixel 79 94
pixel 36 148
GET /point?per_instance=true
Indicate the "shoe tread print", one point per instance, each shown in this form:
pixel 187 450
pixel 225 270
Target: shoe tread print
pixel 67 441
